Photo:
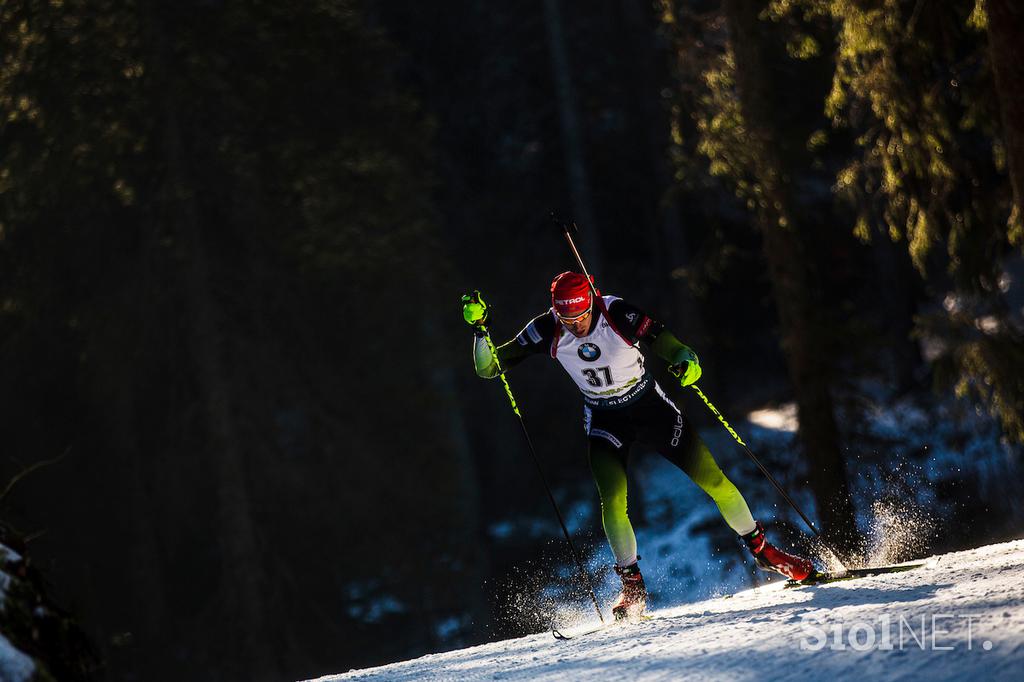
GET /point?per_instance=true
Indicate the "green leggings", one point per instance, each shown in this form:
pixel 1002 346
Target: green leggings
pixel 608 465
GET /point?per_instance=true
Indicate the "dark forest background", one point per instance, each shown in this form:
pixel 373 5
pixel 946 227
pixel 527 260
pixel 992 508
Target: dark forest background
pixel 237 393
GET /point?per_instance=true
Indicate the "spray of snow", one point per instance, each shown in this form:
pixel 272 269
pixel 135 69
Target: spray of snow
pixel 898 532
pixel 538 599
pixel 896 527
pixel 824 559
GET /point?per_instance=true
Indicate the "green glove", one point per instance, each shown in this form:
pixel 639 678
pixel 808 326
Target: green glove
pixel 474 310
pixel 685 366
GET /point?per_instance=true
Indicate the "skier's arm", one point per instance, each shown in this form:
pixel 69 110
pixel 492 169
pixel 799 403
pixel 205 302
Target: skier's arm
pixel 639 326
pixel 535 338
pixel 509 353
pixel 670 349
pixel 682 361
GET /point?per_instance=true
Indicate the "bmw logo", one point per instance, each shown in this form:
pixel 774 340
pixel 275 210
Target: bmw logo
pixel 588 352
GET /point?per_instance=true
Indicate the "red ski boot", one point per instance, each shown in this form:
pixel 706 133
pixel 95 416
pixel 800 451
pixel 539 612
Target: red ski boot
pixel 772 558
pixel 632 601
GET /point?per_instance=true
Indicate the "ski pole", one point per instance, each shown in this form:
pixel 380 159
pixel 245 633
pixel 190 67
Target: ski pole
pixel 533 453
pixel 736 436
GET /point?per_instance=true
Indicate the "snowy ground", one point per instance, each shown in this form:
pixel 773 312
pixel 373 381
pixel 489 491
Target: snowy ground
pixel 15 665
pixel 960 615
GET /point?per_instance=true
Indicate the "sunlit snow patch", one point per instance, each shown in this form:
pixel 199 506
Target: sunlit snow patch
pixel 782 418
pixel 14 665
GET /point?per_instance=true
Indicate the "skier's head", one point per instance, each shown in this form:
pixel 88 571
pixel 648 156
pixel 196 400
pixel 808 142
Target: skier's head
pixel 572 301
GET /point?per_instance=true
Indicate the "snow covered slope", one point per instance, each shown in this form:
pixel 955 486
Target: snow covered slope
pixel 960 615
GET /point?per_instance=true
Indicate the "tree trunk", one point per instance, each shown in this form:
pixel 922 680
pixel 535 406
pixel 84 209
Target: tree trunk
pixel 802 338
pixel 244 583
pixel 1005 33
pixel 674 251
pixel 113 379
pixel 896 277
pixel 572 139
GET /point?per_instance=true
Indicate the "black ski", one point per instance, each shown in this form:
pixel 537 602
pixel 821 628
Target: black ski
pixel 816 578
pixel 558 634
pixel 823 577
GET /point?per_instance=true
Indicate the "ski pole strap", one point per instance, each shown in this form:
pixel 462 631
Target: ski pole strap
pixel 714 410
pixel 501 372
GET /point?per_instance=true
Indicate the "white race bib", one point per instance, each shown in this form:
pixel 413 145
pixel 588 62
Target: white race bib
pixel 602 363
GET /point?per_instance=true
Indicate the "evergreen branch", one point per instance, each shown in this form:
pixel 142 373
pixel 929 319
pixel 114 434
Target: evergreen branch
pixel 31 469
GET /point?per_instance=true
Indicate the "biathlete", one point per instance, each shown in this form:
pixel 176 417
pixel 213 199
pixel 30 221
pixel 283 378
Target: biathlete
pixel 596 340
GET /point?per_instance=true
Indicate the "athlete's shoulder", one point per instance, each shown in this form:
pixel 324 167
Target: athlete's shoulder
pixel 622 312
pixel 538 332
pixel 631 320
